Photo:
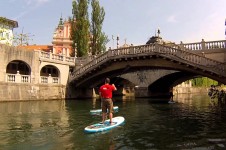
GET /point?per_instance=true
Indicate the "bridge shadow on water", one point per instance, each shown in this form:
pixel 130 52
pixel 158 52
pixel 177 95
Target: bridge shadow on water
pixel 162 100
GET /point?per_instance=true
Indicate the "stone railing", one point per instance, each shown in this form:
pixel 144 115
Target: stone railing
pixel 49 80
pixel 204 45
pixel 194 59
pixel 157 49
pixel 56 57
pixel 80 61
pixel 18 78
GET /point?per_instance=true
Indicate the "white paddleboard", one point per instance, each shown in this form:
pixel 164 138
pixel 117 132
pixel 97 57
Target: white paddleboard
pixel 99 127
pixel 96 111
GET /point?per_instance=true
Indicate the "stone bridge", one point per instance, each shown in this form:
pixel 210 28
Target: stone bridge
pixel 154 68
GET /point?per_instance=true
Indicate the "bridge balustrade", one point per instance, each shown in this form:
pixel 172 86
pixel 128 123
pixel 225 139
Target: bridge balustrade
pixel 173 53
pixel 204 45
pixel 195 59
pixel 70 59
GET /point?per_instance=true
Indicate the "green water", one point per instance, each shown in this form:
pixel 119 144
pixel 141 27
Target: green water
pixel 194 122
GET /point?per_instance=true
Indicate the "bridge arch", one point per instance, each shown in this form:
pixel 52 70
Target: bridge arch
pixel 148 57
pixel 166 83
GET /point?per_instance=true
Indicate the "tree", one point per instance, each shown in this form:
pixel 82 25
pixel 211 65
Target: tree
pixel 80 27
pixel 73 29
pixel 203 81
pixel 22 38
pixel 99 39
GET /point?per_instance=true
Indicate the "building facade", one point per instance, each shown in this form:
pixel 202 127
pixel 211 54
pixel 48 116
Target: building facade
pixel 6 30
pixel 61 38
pixel 31 74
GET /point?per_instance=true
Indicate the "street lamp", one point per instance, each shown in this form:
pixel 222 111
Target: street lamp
pixel 118 41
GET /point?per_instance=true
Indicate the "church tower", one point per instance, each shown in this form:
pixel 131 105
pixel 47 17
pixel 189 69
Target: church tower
pixel 61 38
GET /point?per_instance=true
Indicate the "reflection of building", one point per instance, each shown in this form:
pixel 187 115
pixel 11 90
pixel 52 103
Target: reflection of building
pixel 6 30
pixel 61 38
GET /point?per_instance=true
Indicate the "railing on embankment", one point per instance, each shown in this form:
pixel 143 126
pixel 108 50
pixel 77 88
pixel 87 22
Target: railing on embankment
pixel 180 55
pixel 19 78
pixel 48 56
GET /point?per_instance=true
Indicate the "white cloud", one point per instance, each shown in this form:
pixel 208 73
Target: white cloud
pixel 33 4
pixel 36 2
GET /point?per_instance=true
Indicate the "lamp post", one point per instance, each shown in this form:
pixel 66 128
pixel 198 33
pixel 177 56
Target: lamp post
pixel 118 41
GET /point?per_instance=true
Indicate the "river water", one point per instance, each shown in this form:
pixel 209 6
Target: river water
pixel 194 122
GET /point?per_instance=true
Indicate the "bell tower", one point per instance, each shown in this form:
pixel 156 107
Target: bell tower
pixel 61 38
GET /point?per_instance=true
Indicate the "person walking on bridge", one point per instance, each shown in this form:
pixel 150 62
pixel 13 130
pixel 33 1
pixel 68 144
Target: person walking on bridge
pixel 105 92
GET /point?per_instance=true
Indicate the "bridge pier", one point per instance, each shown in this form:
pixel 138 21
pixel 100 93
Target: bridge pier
pixel 146 93
pixel 76 93
pixel 141 92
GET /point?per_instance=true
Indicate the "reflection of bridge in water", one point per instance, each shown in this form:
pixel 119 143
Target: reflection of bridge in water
pixel 154 68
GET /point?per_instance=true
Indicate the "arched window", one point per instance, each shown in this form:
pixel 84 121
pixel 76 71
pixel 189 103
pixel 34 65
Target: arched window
pixel 16 65
pixel 49 70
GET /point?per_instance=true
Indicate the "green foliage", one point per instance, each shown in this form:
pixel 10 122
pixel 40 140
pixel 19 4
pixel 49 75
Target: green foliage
pixel 80 27
pixel 8 22
pixel 203 81
pixel 73 37
pixel 81 31
pixel 99 39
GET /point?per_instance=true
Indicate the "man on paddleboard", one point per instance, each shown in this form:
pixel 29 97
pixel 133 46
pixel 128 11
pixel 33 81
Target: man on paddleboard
pixel 105 92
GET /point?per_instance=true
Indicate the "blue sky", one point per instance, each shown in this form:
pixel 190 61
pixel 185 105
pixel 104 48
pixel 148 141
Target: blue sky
pixel 133 20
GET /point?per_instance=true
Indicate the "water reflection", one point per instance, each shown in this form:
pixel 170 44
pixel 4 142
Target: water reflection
pixel 193 122
pixel 31 107
pixel 31 122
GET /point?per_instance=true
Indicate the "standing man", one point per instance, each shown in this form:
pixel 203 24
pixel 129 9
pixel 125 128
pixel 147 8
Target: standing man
pixel 106 99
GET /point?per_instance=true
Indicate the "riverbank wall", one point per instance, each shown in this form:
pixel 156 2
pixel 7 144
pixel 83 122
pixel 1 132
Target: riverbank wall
pixel 185 90
pixel 29 92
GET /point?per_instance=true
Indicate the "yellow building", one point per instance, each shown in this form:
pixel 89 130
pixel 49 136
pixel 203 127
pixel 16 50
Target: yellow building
pixel 6 30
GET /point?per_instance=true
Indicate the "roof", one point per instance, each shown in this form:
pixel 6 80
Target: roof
pixel 8 21
pixel 46 48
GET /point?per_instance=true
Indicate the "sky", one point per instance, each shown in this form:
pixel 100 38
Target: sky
pixel 134 21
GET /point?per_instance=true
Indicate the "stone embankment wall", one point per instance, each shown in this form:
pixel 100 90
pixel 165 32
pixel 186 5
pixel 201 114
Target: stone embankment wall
pixel 23 92
pixel 182 90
